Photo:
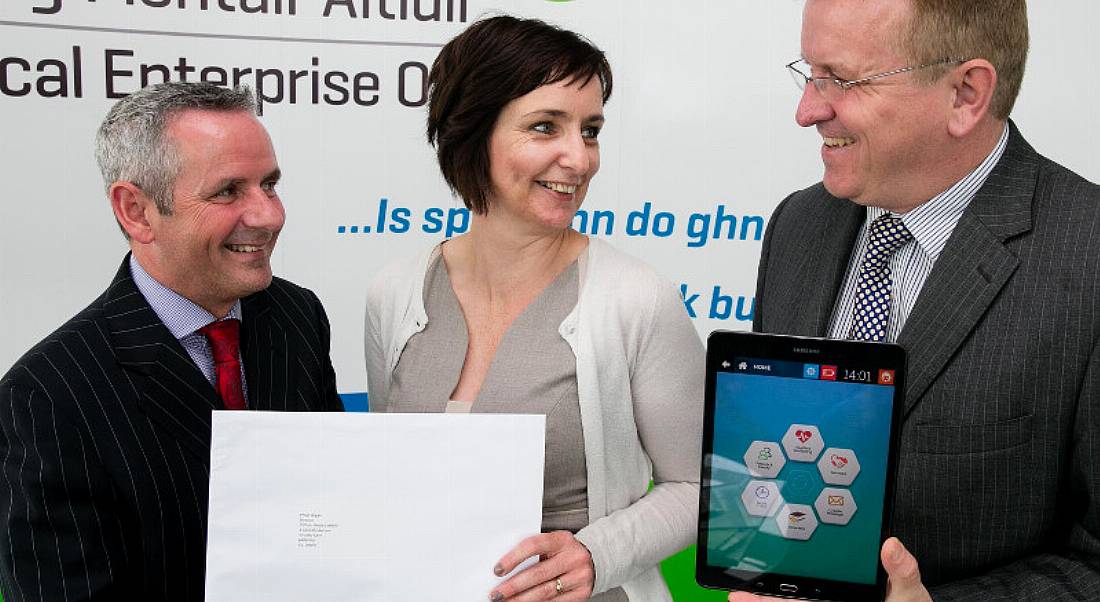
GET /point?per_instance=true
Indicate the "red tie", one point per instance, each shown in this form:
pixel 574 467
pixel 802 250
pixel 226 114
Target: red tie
pixel 224 337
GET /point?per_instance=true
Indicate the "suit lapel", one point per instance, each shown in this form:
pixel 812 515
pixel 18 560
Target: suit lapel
pixel 173 392
pixel 264 349
pixel 974 267
pixel 821 281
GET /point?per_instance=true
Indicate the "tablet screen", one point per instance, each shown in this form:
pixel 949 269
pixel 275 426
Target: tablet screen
pixel 797 475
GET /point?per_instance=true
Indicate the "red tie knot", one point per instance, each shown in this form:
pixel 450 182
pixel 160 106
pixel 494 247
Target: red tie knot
pixel 224 337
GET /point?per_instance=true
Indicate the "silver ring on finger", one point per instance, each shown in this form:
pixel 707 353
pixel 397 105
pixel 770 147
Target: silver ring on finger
pixel 558 586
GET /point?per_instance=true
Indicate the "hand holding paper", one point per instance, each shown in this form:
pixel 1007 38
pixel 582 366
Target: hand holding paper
pixel 565 572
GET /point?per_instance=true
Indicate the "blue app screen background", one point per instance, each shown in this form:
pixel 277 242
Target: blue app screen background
pixel 751 407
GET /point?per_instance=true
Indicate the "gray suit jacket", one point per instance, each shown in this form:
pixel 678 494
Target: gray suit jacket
pixel 105 443
pixel 998 489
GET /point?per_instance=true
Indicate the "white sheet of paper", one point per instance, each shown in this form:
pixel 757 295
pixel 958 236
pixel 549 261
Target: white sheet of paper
pixel 349 506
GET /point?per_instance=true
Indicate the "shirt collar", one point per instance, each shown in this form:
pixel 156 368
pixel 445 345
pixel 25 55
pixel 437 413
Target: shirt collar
pixel 181 315
pixel 932 223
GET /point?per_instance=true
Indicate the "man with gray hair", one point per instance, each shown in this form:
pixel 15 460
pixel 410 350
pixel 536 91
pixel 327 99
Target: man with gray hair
pixel 105 424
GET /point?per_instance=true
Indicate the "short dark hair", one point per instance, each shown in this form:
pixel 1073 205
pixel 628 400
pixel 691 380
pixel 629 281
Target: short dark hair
pixel 495 61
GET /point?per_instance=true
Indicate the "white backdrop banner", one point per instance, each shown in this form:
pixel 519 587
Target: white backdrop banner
pixel 699 147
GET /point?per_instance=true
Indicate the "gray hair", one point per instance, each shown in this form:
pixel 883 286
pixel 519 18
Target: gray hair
pixel 130 144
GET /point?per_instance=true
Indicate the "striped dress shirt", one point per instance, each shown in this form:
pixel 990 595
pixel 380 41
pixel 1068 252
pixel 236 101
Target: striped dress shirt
pixel 931 225
pixel 184 318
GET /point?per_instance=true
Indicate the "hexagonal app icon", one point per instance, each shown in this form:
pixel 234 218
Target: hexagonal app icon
pixel 796 521
pixel 835 506
pixel 764 459
pixel 761 498
pixel 801 483
pixel 838 466
pixel 803 443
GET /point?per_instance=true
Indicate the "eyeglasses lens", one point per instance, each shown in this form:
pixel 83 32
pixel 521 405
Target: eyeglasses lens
pixel 797 75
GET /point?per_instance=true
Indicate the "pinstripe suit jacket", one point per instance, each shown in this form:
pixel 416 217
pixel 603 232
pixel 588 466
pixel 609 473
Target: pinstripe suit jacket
pixel 998 490
pixel 105 443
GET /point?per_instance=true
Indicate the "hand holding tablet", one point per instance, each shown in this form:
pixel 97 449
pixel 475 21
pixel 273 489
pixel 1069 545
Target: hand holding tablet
pixel 903 577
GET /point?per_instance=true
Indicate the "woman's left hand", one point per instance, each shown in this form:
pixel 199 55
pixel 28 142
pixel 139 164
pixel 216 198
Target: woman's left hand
pixel 564 571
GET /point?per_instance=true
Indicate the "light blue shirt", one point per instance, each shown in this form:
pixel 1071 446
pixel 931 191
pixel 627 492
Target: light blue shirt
pixel 184 318
pixel 931 224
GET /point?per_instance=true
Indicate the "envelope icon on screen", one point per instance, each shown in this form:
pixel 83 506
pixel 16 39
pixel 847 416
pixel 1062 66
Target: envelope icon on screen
pixel 836 500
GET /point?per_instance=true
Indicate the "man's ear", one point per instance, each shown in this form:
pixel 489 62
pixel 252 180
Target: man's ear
pixel 132 208
pixel 974 82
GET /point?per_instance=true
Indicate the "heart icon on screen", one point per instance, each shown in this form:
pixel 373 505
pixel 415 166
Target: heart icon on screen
pixel 838 461
pixel 803 436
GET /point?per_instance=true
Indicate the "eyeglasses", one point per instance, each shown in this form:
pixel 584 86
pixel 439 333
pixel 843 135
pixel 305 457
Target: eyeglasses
pixel 832 87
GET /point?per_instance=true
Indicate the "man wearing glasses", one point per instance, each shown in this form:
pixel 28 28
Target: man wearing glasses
pixel 938 227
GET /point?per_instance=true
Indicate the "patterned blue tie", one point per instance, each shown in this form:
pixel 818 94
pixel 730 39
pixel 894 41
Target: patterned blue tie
pixel 873 292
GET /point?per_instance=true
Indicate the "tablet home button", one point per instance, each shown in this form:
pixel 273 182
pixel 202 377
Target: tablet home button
pixel 788 588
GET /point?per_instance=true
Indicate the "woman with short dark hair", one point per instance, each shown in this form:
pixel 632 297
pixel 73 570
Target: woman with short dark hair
pixel 522 314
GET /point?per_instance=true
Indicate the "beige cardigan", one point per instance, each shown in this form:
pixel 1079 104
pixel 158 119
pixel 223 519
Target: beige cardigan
pixel 640 371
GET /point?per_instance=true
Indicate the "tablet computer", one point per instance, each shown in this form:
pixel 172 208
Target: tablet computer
pixel 799 454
